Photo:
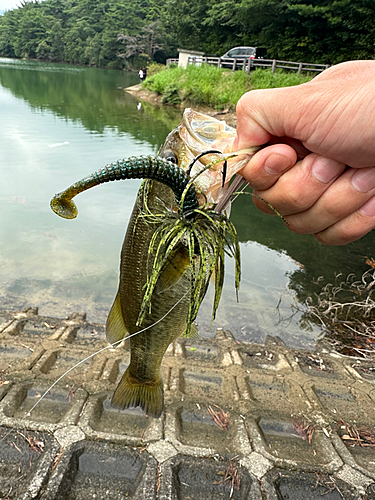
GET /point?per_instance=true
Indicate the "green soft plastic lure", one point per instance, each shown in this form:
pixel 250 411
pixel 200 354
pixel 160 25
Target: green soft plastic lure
pixel 135 167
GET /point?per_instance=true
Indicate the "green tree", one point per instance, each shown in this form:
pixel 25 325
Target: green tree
pixel 323 31
pixel 86 31
pixel 31 30
pixel 9 23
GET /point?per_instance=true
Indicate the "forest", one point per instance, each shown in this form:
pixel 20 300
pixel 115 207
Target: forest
pixel 125 34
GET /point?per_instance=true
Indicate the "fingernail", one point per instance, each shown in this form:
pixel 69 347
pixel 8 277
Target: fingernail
pixel 363 179
pixel 276 164
pixel 325 169
pixel 369 207
pixel 235 144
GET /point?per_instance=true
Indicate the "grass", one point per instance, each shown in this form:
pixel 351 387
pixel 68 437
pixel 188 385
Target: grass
pixel 265 79
pixel 215 87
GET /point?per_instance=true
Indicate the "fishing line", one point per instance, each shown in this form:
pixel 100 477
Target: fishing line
pixel 103 349
pixel 237 188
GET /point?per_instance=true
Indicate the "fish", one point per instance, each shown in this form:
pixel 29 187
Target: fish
pixel 176 240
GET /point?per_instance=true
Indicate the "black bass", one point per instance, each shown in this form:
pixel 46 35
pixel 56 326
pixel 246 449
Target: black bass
pixel 176 238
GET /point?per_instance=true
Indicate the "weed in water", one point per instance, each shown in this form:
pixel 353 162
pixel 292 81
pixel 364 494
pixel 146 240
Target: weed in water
pixel 346 312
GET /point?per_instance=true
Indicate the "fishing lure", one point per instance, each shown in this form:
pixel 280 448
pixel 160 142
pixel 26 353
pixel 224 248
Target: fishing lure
pixel 176 240
pixel 135 167
pixel 207 234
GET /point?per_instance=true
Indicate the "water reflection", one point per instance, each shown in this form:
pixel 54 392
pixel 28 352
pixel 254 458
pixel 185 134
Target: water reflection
pixel 62 122
pixel 88 96
pixel 314 259
pixel 304 267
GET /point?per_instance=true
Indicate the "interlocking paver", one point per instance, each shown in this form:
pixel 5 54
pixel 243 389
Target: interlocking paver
pixel 75 445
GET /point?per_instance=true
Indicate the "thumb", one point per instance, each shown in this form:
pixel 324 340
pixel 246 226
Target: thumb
pixel 262 114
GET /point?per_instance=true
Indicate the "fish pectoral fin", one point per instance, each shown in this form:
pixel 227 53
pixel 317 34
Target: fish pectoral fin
pixel 115 326
pixel 131 393
pixel 173 270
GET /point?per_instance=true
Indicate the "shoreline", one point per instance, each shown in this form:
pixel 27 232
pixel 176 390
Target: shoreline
pixel 229 116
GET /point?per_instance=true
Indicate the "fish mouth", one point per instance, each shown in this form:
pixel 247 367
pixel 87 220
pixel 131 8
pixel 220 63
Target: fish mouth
pixel 206 130
pixel 201 140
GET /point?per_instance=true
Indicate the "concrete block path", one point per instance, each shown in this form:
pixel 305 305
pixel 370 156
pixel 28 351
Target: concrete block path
pixel 241 421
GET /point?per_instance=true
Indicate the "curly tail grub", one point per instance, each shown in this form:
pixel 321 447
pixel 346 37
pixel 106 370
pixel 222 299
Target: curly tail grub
pixel 135 167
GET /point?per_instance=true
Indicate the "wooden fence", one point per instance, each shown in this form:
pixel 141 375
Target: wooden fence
pixel 247 63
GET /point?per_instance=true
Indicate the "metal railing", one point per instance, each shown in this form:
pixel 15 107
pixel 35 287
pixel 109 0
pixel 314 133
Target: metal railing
pixel 294 66
pixel 171 61
pixel 247 63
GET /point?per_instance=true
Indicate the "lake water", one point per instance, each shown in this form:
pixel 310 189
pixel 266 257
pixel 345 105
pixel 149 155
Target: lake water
pixel 58 124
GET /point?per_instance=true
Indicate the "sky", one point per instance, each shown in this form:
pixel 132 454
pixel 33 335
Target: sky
pixel 9 4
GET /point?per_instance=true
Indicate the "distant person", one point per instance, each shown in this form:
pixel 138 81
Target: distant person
pixel 144 69
pixel 318 170
pixel 141 75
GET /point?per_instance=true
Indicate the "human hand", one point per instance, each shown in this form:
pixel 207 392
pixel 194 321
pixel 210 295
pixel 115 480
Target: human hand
pixel 318 170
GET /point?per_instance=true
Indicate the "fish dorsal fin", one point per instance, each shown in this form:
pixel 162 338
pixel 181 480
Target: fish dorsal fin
pixel 115 326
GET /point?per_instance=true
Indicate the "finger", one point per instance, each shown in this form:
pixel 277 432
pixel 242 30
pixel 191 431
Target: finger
pixel 298 189
pixel 264 113
pixel 293 143
pixel 265 168
pixel 351 228
pixel 345 196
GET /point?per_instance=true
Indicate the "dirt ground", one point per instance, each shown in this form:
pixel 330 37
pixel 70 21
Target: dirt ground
pixel 152 97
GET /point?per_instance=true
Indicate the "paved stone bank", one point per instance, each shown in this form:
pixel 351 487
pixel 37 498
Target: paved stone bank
pixel 260 422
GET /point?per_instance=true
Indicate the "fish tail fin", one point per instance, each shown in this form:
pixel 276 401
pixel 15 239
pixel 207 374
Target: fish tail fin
pixel 130 393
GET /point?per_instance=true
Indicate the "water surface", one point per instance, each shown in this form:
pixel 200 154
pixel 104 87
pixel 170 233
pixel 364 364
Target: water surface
pixel 60 123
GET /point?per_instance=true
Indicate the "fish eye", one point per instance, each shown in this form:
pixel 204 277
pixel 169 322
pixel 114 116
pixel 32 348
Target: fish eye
pixel 172 158
pixel 169 156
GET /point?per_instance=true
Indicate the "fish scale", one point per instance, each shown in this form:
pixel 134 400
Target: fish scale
pixel 142 383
